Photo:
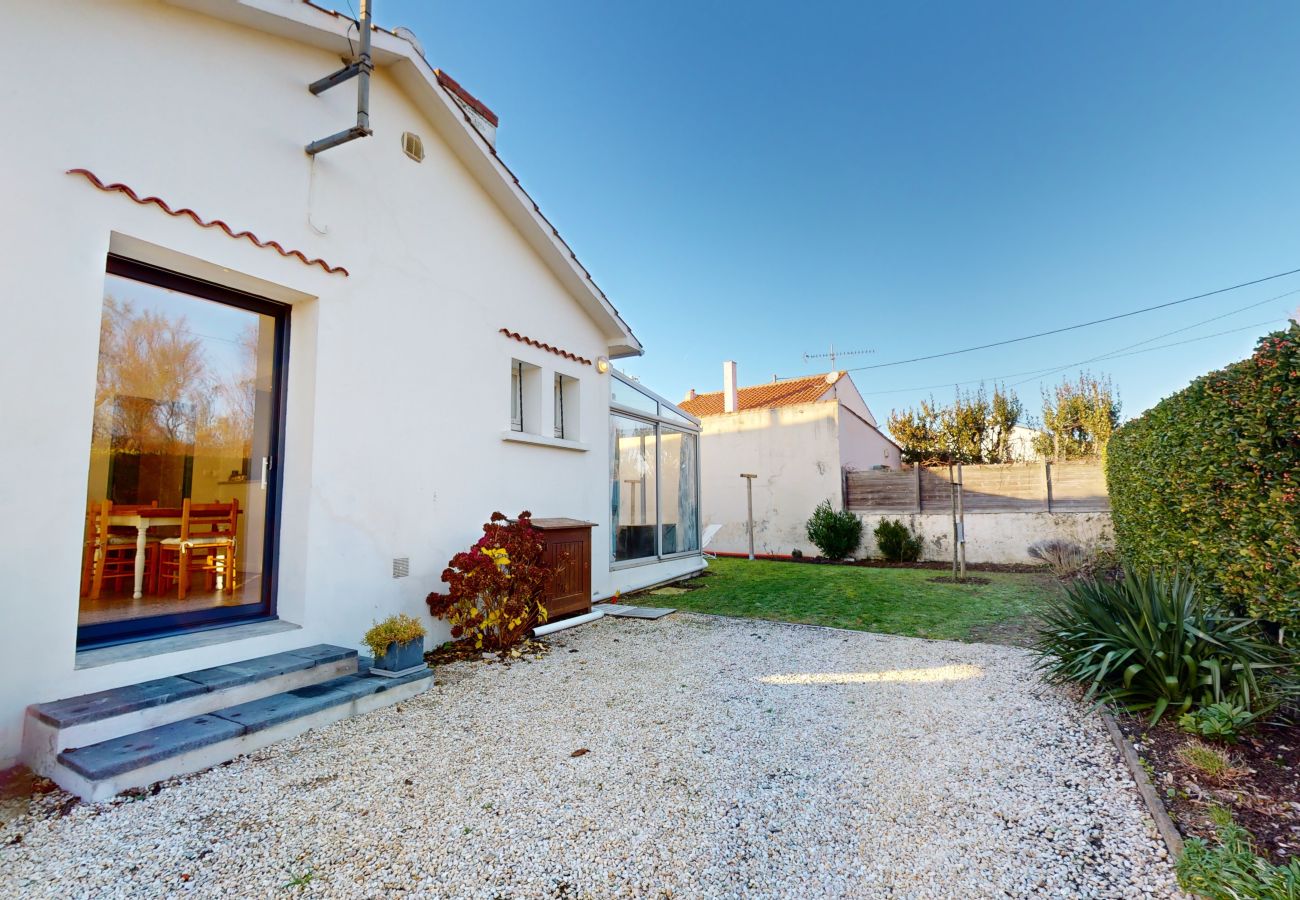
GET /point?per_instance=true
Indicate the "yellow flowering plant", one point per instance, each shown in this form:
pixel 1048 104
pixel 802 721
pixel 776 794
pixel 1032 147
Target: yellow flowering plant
pixel 496 589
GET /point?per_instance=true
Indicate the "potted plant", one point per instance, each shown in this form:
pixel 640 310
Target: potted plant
pixel 397 644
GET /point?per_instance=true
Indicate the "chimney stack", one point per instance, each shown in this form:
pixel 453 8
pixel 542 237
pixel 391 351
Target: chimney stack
pixel 690 395
pixel 730 395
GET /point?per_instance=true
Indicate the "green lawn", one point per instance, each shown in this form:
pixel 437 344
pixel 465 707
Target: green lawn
pixel 893 601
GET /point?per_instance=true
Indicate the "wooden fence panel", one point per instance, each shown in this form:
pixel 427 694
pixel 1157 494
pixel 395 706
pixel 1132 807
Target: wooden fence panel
pixel 1079 487
pixel 1010 488
pixel 884 491
pixel 1020 487
pixel 936 495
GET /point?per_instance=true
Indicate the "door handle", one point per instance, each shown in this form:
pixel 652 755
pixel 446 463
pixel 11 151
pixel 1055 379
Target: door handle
pixel 266 468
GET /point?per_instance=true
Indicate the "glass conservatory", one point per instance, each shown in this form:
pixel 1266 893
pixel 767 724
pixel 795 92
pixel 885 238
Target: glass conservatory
pixel 654 478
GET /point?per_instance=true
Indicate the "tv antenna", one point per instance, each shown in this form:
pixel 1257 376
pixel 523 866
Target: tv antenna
pixel 834 355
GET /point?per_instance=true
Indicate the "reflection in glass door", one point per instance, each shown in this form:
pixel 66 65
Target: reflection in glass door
pixel 180 500
pixel 634 491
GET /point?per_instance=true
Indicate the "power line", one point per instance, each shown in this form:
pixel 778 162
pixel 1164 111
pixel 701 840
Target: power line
pixel 1066 328
pixel 1115 354
pixel 1035 373
pixel 1120 355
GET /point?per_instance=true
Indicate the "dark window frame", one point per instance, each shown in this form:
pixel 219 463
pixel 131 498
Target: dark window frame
pixel 151 627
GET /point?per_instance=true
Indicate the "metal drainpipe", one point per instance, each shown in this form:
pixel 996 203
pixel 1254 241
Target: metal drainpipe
pixel 363 77
pixel 361 69
pixel 749 494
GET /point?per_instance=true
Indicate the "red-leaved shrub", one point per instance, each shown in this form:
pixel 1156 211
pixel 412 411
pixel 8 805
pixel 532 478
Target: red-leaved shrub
pixel 495 589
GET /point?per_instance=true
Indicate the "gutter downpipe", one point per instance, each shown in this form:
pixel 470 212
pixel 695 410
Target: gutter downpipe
pixel 361 69
pixel 552 627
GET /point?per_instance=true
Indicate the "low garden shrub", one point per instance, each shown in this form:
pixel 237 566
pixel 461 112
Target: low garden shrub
pixel 1231 870
pixel 1222 721
pixel 496 588
pixel 1208 480
pixel 1065 558
pixel 836 533
pixel 896 541
pixel 1149 642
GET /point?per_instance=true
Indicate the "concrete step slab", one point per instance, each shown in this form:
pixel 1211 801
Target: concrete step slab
pixel 116 701
pixel 259 714
pixel 51 728
pixel 624 611
pixel 101 770
pixel 134 751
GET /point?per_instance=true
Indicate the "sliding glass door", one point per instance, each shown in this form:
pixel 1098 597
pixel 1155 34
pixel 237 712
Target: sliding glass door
pixel 679 491
pixel 654 477
pixel 184 457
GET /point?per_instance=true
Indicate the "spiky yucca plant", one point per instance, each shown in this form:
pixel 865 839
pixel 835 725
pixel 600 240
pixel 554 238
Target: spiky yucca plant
pixel 1149 642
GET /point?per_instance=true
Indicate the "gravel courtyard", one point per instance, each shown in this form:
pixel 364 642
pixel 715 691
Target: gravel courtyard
pixel 726 758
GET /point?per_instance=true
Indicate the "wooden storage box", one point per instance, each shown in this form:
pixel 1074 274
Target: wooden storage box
pixel 568 548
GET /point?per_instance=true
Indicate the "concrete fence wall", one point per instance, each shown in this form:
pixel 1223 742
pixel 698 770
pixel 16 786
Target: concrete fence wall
pixel 993 537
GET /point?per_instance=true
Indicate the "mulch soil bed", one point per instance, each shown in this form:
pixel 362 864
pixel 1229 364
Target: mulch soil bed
pixel 1263 793
pixel 948 579
pixel 455 651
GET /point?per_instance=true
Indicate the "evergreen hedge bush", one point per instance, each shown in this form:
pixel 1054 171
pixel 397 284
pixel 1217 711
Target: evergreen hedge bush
pixel 1208 481
pixel 836 533
pixel 897 543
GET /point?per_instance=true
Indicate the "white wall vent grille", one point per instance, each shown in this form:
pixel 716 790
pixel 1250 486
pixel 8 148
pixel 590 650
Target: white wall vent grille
pixel 401 566
pixel 412 146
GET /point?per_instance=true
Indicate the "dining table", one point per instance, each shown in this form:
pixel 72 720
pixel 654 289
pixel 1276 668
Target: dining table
pixel 142 519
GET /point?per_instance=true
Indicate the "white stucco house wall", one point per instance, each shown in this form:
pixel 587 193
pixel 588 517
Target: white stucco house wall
pixel 422 347
pixel 1020 442
pixel 798 436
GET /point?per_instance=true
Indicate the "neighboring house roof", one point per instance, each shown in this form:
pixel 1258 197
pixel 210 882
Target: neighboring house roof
pixel 790 392
pixel 305 22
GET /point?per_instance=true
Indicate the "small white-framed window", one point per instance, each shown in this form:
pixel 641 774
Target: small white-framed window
pixel 516 395
pixel 559 405
pixel 528 388
pixel 566 407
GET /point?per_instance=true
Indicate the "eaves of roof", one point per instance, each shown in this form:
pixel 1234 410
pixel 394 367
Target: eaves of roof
pixel 307 23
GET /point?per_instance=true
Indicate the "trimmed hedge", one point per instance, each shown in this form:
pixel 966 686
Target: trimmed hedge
pixel 1208 480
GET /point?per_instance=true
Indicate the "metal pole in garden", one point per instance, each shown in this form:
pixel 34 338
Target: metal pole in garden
pixel 961 520
pixel 952 490
pixel 749 491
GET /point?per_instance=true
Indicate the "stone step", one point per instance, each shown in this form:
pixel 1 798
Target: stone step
pixel 53 727
pixel 109 767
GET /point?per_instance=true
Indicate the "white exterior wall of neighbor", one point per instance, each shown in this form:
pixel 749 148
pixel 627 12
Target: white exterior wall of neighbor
pixel 863 447
pixel 1021 443
pixel 398 378
pixel 794 451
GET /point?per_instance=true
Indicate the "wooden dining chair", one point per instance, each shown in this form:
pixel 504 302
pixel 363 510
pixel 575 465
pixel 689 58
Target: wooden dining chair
pixel 110 557
pixel 206 545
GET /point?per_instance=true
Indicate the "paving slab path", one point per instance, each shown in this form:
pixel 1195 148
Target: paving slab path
pixel 724 758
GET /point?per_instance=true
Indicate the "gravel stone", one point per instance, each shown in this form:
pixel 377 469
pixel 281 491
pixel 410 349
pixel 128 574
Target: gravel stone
pixel 726 758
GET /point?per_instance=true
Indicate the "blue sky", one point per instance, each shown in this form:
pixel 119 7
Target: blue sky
pixel 754 181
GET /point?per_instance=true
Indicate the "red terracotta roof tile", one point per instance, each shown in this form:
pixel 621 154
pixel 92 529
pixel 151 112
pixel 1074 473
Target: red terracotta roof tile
pixel 791 392
pixel 525 339
pixel 119 188
pixel 474 103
